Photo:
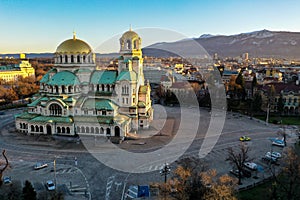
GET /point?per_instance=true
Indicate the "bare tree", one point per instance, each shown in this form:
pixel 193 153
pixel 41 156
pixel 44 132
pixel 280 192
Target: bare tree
pixel 238 158
pixel 5 166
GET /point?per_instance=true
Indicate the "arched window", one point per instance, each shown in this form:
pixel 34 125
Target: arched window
pixel 55 109
pixel 78 129
pixel 60 58
pixel 135 44
pixel 21 125
pixel 87 129
pixel 82 130
pixel 63 89
pixel 102 130
pixel 128 44
pixel 97 130
pixel 41 129
pixel 72 59
pixel 78 59
pixel 63 129
pixel 92 129
pixel 58 130
pixel 56 89
pixel 66 59
pixel 68 129
pixel 102 87
pixel 36 128
pixel 32 128
pixel 98 88
pixel 69 89
pixel 84 59
pixel 108 87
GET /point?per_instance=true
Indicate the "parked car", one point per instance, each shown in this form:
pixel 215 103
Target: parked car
pixel 245 138
pixel 251 165
pixel 274 154
pixel 279 143
pixel 244 173
pixel 235 172
pixel 50 185
pixel 40 165
pixel 269 158
pixel 7 180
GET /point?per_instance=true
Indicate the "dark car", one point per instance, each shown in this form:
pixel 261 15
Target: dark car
pixel 246 173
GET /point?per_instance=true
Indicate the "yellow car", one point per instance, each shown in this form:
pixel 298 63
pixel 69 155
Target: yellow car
pixel 245 138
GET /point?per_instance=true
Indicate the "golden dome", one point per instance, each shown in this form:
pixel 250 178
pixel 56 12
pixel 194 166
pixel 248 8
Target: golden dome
pixel 129 35
pixel 74 46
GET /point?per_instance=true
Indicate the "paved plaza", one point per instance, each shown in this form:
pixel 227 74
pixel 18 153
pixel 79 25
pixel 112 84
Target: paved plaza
pixel 88 178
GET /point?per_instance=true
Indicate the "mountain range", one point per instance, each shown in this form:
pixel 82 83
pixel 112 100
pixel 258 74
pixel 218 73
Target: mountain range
pixel 263 43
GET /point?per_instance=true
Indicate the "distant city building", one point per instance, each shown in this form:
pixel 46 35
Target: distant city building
pixel 13 71
pixel 245 56
pixel 75 98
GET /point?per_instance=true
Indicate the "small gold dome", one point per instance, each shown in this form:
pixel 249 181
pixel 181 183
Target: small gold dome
pixel 129 35
pixel 74 46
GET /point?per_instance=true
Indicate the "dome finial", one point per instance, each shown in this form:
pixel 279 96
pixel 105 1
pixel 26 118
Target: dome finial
pixel 130 29
pixel 74 35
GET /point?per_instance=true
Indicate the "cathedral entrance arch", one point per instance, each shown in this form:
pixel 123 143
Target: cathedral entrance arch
pixel 117 131
pixel 49 131
pixel 108 131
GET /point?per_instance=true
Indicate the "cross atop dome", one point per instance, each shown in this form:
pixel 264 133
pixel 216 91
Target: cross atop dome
pixel 74 35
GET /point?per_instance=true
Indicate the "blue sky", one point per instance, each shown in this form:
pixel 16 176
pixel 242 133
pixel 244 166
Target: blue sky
pixel 39 26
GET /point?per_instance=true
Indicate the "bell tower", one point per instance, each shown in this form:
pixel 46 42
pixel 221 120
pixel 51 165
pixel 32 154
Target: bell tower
pixel 131 52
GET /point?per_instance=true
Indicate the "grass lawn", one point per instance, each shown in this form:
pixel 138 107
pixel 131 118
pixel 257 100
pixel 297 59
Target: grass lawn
pixel 286 120
pixel 260 192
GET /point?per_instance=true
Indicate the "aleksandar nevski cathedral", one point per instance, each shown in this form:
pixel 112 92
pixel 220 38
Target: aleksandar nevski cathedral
pixel 75 98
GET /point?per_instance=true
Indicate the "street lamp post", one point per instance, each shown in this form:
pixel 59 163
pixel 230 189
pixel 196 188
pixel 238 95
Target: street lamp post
pixel 54 166
pixel 268 112
pixel 165 171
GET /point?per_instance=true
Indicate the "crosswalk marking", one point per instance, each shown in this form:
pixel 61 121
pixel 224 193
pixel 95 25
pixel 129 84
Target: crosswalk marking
pixel 109 183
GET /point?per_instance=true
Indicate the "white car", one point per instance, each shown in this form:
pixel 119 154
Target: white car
pixel 269 157
pixel 50 185
pixel 278 143
pixel 40 165
pixel 274 154
pixel 251 165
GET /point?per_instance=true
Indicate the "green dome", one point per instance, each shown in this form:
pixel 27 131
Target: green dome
pixel 64 78
pixel 127 75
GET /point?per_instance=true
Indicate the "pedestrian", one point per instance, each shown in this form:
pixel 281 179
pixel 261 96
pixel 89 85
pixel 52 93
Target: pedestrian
pixel 75 161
